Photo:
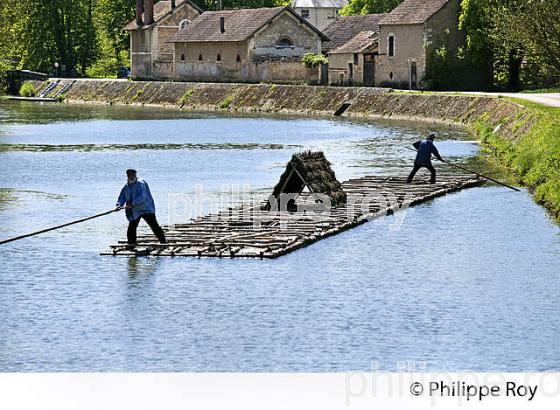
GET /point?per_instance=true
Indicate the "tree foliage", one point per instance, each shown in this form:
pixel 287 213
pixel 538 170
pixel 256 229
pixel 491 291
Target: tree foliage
pixel 517 40
pixel 58 31
pixel 355 7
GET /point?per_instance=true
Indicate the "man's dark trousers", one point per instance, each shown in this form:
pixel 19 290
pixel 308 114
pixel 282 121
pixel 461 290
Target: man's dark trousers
pixel 417 167
pixel 151 221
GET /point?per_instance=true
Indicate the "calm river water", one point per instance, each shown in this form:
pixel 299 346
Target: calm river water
pixel 470 282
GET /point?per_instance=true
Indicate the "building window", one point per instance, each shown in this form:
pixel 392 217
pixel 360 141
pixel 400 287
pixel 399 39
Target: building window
pixel 305 14
pixel 238 59
pixel 285 42
pixel 219 57
pixel 184 23
pixel 356 59
pixel 332 14
pixel 391 50
pixel 182 57
pixel 200 57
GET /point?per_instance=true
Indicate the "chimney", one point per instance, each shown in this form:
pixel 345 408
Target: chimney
pixel 149 11
pixel 173 4
pixel 222 24
pixel 139 11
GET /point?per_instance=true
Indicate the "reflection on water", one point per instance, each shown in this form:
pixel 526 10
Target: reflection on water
pixel 470 281
pixel 142 267
pixel 132 147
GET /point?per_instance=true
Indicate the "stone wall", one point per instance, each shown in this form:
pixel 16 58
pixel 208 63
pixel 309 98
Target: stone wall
pixel 300 99
pixel 229 69
pixel 209 52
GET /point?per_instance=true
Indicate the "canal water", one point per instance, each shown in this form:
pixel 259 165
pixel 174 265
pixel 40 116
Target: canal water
pixel 469 282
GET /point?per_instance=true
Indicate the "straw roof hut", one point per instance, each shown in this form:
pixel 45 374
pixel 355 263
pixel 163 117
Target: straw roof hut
pixel 311 170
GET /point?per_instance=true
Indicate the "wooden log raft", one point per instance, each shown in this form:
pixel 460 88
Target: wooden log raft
pixel 255 232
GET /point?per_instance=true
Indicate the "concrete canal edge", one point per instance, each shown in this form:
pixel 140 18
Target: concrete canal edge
pixel 501 123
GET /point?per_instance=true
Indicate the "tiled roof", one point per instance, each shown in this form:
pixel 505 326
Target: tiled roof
pixel 344 29
pixel 161 9
pixel 239 25
pixel 414 11
pixel 319 4
pixel 360 42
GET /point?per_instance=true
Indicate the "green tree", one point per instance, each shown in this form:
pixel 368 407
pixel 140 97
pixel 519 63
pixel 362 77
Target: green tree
pixel 516 41
pixel 111 17
pixel 355 7
pixel 12 21
pixel 60 31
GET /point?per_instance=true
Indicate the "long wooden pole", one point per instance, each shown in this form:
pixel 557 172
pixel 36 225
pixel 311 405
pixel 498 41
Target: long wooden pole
pixel 476 173
pixel 59 226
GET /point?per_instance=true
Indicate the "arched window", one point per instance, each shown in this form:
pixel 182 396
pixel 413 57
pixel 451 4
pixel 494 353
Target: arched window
pixel 219 57
pixel 184 23
pixel 200 57
pixel 238 59
pixel 182 57
pixel 285 42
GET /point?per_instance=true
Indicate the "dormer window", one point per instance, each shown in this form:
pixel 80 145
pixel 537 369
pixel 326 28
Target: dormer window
pixel 285 42
pixel 305 14
pixel 184 23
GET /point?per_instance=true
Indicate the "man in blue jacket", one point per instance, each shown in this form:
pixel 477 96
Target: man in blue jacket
pixel 137 200
pixel 425 150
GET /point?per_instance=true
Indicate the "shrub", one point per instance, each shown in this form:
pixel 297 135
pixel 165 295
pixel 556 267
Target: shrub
pixel 27 90
pixel 225 103
pixel 311 60
pixel 185 97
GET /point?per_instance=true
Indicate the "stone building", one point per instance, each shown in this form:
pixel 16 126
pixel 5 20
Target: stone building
pixel 352 49
pixel 248 45
pixel 151 56
pixel 406 36
pixel 391 50
pixel 320 13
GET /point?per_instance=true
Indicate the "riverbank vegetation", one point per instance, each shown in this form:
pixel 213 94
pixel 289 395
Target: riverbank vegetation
pixel 534 157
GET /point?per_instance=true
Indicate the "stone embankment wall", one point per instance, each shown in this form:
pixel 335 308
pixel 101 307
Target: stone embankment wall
pixel 307 100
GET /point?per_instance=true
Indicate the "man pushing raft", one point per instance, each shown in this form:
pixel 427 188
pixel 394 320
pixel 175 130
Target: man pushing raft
pixel 425 150
pixel 137 200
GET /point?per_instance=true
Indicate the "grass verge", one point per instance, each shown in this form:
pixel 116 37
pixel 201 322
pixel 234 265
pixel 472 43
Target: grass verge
pixel 534 157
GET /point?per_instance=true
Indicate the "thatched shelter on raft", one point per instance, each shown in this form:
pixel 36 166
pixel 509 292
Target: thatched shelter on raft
pixel 313 171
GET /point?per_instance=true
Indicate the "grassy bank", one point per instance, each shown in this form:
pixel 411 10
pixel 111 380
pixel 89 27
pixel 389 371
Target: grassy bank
pixel 534 155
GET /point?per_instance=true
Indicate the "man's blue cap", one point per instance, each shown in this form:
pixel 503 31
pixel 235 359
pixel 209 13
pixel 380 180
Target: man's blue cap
pixel 131 171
